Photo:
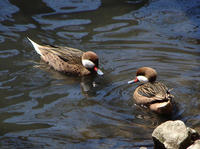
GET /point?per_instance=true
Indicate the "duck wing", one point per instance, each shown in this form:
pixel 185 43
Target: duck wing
pixel 70 55
pixel 156 91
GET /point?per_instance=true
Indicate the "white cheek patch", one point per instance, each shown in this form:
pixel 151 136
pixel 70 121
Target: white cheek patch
pixel 143 79
pixel 87 63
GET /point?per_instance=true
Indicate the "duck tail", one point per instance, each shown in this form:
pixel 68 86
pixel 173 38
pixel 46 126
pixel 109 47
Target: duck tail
pixel 36 46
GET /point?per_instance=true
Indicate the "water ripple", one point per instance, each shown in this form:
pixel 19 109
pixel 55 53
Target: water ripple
pixel 8 53
pixel 41 108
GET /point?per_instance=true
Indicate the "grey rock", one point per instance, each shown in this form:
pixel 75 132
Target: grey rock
pixel 143 147
pixel 173 135
pixel 196 145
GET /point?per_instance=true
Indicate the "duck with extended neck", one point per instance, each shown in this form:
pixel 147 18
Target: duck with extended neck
pixel 154 95
pixel 69 60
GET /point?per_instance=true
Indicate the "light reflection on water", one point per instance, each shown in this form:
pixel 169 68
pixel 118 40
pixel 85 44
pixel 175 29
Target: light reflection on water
pixel 42 108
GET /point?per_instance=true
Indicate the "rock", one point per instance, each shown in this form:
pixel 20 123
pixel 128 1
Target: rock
pixel 173 135
pixel 196 145
pixel 143 147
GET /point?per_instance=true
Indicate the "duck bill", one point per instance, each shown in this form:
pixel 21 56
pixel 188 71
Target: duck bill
pixel 99 72
pixel 133 81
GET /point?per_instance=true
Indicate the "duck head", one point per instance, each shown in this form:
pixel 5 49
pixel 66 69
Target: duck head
pixel 90 61
pixel 144 75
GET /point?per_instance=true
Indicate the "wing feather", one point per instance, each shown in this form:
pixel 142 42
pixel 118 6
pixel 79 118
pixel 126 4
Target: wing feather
pixel 151 90
pixel 70 55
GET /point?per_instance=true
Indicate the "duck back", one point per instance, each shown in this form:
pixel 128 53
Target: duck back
pixel 149 93
pixel 64 59
pixel 152 89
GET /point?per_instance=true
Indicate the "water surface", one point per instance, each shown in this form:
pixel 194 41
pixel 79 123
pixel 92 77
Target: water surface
pixel 41 108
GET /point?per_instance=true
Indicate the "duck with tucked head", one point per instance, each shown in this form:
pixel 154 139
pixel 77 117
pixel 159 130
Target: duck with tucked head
pixel 69 60
pixel 152 94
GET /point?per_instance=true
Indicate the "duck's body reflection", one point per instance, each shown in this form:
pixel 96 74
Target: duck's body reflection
pixel 89 84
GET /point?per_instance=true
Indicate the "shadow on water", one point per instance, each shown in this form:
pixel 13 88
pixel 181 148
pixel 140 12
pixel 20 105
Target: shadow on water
pixel 41 108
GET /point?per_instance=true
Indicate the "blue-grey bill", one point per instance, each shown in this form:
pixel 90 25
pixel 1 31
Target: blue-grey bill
pixel 130 82
pixel 99 72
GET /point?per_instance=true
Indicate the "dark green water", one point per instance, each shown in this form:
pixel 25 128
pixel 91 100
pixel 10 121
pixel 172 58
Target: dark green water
pixel 40 108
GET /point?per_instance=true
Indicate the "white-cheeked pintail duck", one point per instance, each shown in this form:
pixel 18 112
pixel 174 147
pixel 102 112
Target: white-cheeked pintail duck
pixel 68 60
pixel 154 95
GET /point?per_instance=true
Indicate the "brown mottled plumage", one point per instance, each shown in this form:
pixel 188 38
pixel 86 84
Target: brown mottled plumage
pixel 68 60
pixel 152 94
